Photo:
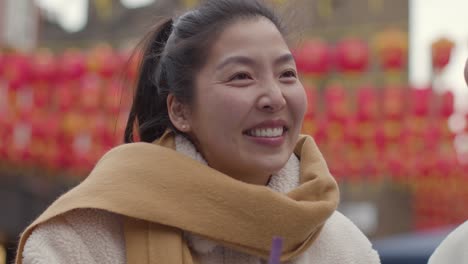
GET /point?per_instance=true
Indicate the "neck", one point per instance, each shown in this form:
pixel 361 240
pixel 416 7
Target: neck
pixel 257 180
pixel 247 176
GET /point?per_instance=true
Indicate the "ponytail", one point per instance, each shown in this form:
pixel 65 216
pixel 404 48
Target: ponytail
pixel 148 114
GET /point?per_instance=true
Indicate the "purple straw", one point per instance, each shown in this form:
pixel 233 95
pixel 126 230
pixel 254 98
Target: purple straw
pixel 275 253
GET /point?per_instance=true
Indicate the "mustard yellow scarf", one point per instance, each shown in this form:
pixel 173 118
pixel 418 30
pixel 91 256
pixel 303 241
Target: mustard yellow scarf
pixel 161 193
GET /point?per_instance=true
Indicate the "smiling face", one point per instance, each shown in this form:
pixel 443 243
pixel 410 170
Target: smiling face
pixel 249 103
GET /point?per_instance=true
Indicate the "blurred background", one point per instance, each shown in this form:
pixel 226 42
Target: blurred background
pixel 388 105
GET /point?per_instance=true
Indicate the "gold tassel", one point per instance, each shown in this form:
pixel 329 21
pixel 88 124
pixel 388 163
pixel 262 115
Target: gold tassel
pixel 103 9
pixel 190 3
pixel 375 6
pixel 325 8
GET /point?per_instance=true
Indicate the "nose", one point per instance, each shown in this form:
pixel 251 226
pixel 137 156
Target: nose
pixel 272 98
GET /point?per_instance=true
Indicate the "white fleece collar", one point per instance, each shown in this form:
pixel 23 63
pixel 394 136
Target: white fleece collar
pixel 283 181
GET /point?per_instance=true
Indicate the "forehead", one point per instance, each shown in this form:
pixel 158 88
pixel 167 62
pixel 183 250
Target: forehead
pixel 248 36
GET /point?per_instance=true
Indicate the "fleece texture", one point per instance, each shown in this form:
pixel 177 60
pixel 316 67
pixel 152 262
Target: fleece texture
pixel 454 248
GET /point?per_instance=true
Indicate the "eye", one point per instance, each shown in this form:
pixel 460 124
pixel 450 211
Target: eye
pixel 240 76
pixel 289 74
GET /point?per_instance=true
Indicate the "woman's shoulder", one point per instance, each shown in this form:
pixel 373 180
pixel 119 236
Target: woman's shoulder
pixel 340 227
pixel 79 236
pixel 453 248
pixel 340 241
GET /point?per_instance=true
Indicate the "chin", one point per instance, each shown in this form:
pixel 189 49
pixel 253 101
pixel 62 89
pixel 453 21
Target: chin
pixel 271 164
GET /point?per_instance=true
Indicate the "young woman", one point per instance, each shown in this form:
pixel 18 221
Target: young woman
pixel 221 168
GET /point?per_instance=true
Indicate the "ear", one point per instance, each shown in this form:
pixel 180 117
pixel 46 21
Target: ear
pixel 179 114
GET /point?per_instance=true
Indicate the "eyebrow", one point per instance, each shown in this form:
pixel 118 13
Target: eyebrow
pixel 284 59
pixel 250 62
pixel 236 60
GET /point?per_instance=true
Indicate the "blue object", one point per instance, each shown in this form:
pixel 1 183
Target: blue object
pixel 413 248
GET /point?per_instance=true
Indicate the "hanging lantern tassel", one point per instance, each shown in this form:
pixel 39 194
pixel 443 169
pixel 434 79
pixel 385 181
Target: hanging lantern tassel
pixel 441 53
pixel 391 47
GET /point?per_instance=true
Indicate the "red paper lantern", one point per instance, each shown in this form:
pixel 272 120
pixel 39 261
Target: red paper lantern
pixel 337 159
pixel 395 167
pixel 4 97
pixel 18 72
pixel 392 49
pixel 379 138
pixel 309 126
pixel 2 64
pixel 336 102
pixel 441 52
pixel 114 98
pixel 62 158
pixel 432 137
pixel 90 94
pixel 46 74
pixel 66 96
pixel 352 55
pixel 352 132
pixel 73 65
pixel 371 156
pixel 312 94
pixel 20 152
pixel 45 67
pixel 6 132
pixel 104 61
pixel 102 131
pixel 420 101
pixel 81 152
pixel 321 131
pixel 393 102
pixel 447 104
pixel 42 96
pixel 38 142
pixel 73 123
pixel 131 61
pixel 53 137
pixel 313 57
pixel 367 103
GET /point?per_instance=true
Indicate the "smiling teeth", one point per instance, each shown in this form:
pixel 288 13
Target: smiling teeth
pixel 266 132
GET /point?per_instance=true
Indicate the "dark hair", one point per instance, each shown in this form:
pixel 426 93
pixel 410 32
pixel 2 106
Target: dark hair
pixel 173 53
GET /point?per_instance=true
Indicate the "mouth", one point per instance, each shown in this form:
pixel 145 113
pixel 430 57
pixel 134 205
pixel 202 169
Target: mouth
pixel 266 132
pixel 268 129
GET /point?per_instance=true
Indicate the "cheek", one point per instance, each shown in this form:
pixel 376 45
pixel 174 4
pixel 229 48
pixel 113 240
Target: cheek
pixel 298 103
pixel 225 108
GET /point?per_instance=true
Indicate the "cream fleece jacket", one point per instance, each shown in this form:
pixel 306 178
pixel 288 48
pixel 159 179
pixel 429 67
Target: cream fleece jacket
pixel 454 248
pixel 96 236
